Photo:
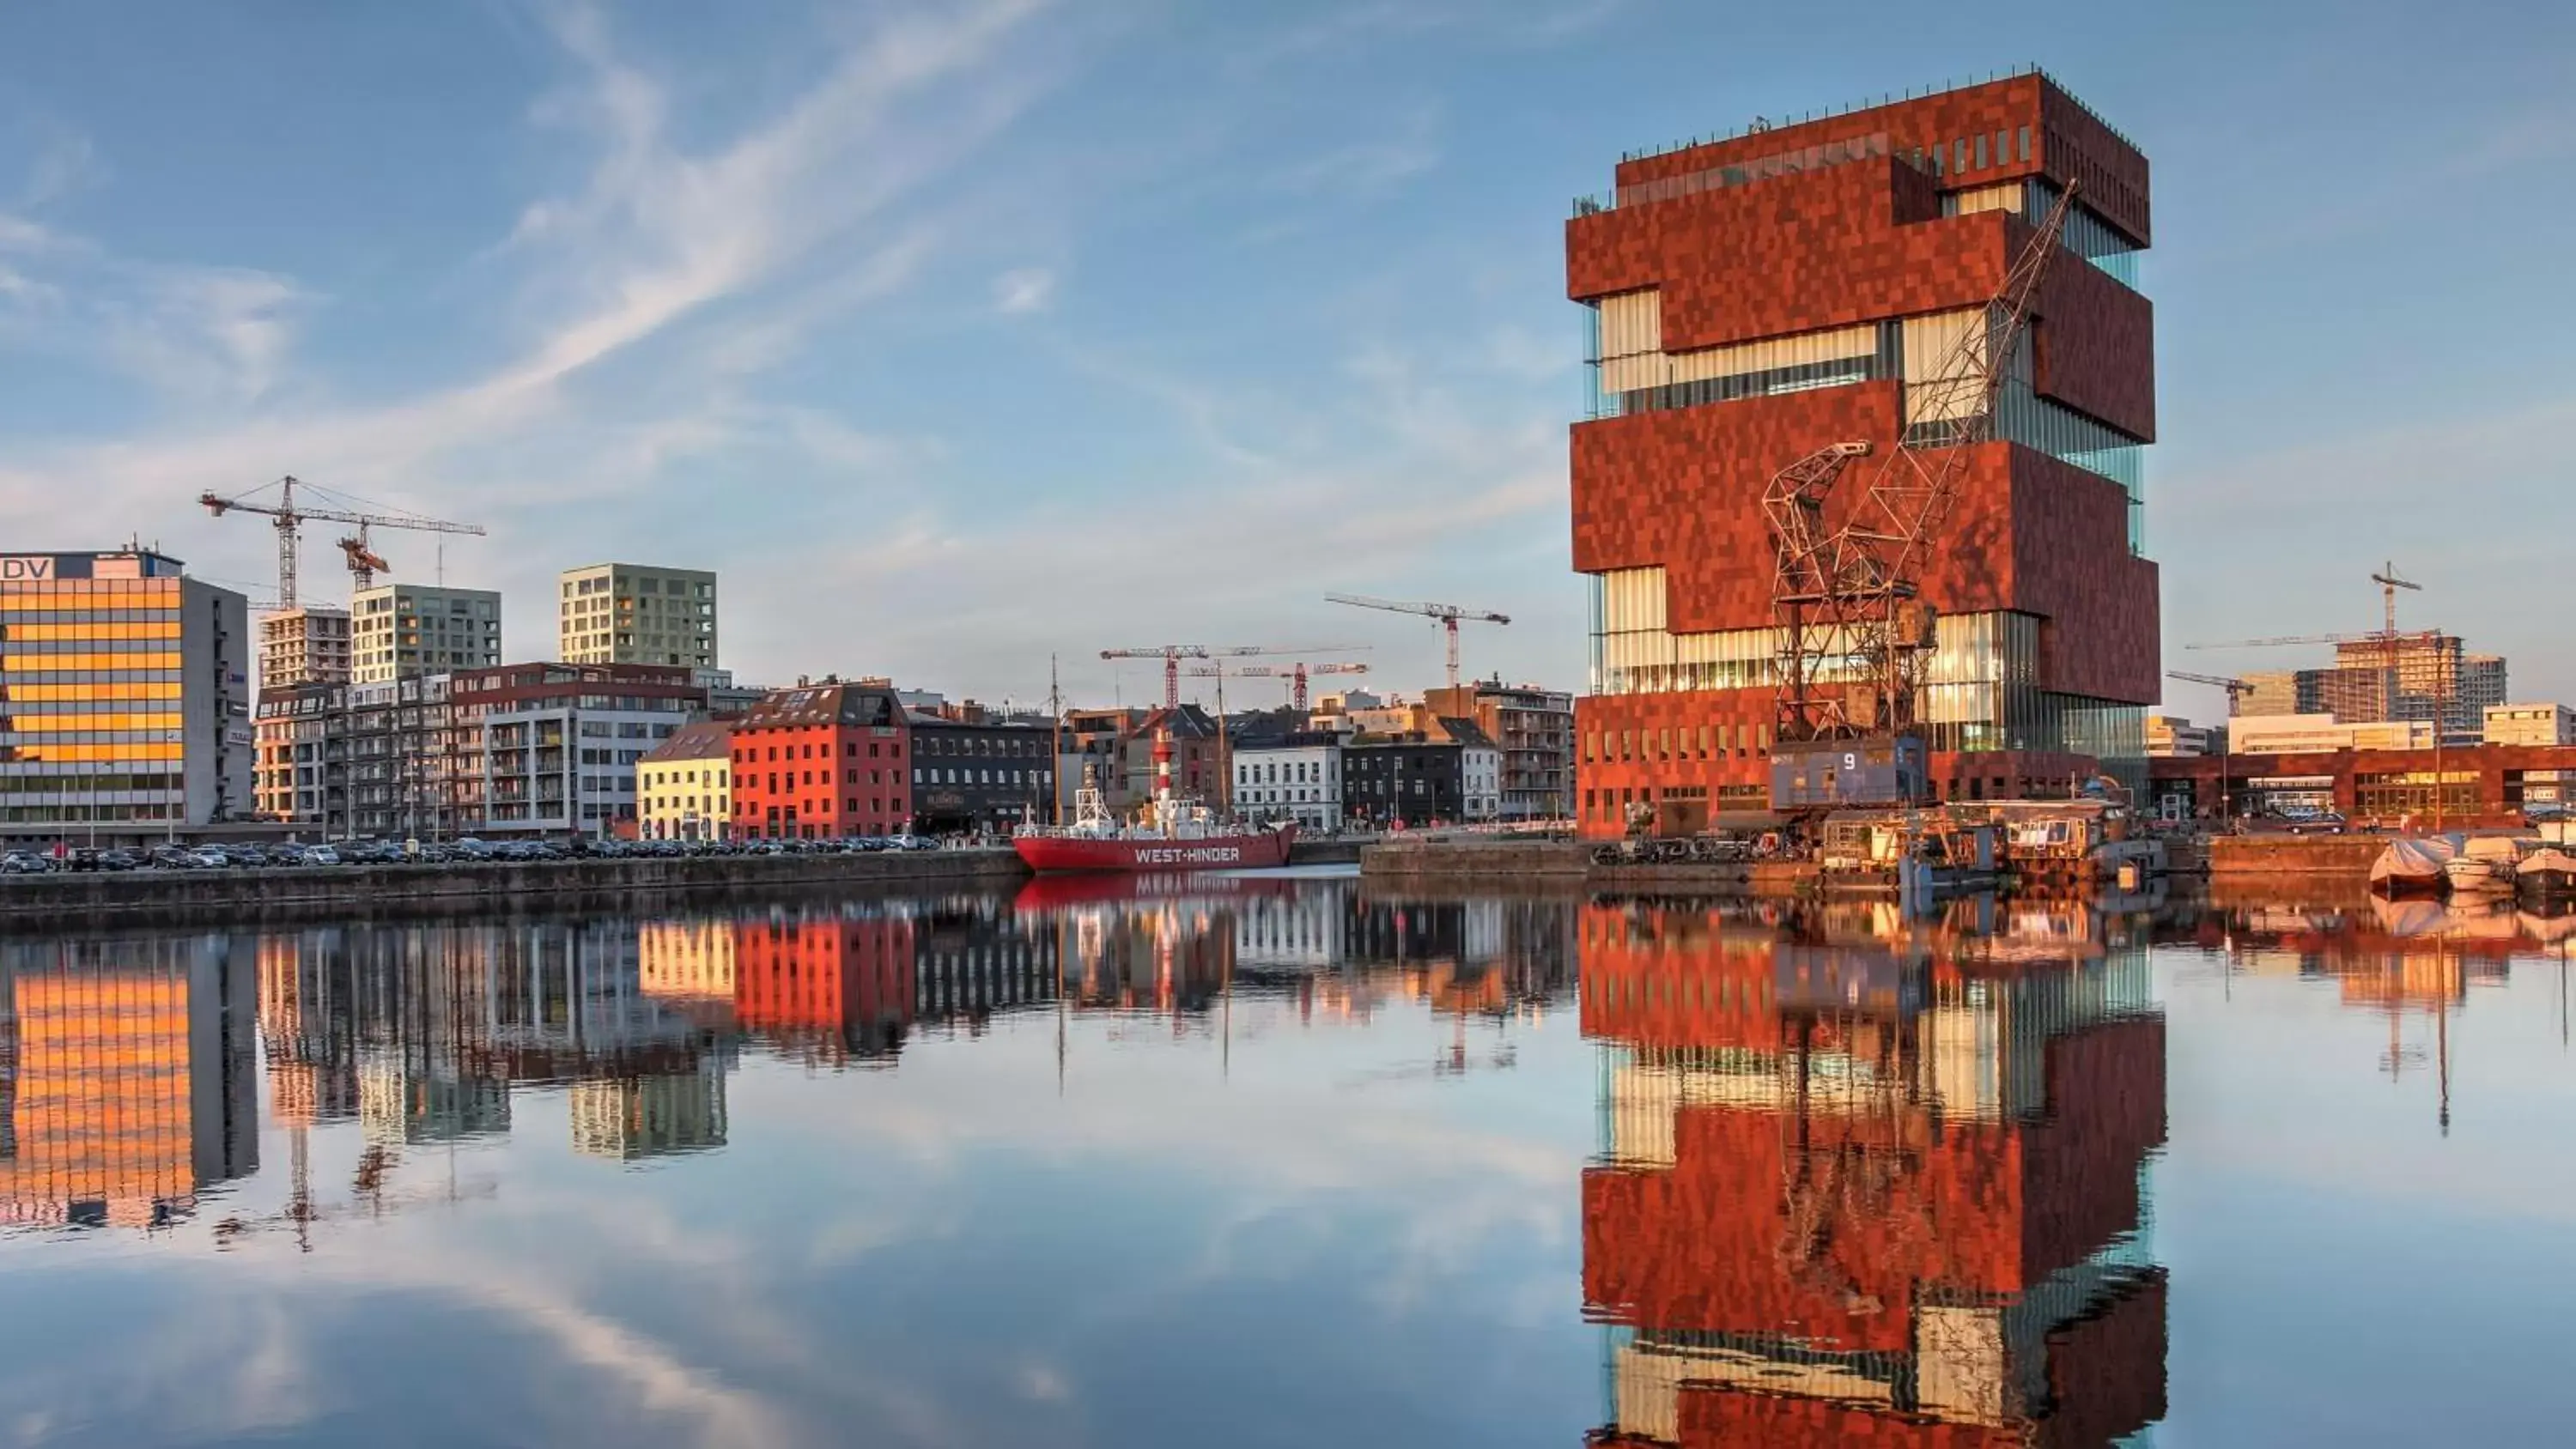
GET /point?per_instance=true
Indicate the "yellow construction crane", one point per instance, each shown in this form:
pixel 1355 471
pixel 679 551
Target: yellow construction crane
pixel 288 514
pixel 1446 615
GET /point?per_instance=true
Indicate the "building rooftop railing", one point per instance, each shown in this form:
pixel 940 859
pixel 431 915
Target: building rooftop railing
pixel 1817 157
pixel 1764 123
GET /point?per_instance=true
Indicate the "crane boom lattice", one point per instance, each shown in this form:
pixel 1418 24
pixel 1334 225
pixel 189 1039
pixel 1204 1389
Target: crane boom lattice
pixel 1445 615
pixel 288 514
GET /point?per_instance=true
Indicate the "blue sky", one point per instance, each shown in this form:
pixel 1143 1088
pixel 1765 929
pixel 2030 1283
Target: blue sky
pixel 961 333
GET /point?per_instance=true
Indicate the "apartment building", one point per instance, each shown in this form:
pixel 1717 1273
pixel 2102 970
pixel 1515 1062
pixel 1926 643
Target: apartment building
pixel 1532 728
pixel 559 743
pixel 684 785
pixel 308 644
pixel 399 630
pixel 616 613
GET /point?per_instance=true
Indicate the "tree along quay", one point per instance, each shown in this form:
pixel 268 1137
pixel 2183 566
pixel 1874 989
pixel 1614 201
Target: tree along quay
pixel 103 897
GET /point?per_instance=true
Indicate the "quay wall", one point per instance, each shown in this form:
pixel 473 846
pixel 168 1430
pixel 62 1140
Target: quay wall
pixel 2344 856
pixel 1527 862
pixel 115 897
pixel 1515 859
pixel 1325 852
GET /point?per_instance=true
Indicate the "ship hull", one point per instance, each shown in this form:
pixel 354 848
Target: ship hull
pixel 1254 850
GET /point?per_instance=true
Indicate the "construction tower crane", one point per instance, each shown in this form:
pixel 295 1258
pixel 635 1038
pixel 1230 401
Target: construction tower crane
pixel 1446 615
pixel 2236 688
pixel 1173 654
pixel 1855 593
pixel 1294 674
pixel 288 515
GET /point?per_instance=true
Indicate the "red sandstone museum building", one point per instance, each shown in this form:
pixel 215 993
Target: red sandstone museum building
pixel 1759 297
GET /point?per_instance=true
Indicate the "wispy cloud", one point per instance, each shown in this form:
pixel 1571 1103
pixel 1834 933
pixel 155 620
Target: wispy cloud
pixel 746 243
pixel 65 164
pixel 1370 167
pixel 1026 289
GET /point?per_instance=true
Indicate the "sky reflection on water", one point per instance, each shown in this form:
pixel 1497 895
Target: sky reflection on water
pixel 1286 1162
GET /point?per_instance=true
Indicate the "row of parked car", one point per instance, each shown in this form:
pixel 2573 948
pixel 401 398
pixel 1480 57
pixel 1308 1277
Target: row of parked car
pixel 245 856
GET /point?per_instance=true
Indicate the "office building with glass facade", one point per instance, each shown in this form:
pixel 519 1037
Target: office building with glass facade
pixel 125 697
pixel 1753 299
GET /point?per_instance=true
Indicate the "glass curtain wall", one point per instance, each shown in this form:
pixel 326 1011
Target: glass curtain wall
pixel 90 725
pixel 1979 691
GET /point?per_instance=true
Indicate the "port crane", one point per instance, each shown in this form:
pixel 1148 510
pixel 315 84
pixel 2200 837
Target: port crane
pixel 1852 594
pixel 1295 675
pixel 1446 615
pixel 288 515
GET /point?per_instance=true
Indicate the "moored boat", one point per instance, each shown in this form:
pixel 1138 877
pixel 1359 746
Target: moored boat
pixel 2412 865
pixel 2484 867
pixel 2548 873
pixel 1174 835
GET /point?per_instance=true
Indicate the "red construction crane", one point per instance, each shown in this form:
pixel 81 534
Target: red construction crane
pixel 1446 615
pixel 289 515
pixel 1294 674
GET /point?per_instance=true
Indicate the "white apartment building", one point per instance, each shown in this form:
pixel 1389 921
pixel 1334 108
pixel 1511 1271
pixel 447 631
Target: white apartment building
pixel 2530 724
pixel 616 613
pixel 560 742
pixel 400 630
pixel 1480 770
pixel 1296 777
pixel 308 644
pixel 2172 737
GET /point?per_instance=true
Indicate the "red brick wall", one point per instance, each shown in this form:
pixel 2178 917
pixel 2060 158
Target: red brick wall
pixel 1683 488
pixel 2068 144
pixel 823 802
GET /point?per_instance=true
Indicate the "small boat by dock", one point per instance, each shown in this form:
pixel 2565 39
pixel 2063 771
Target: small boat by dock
pixel 2546 874
pixel 2485 866
pixel 2413 866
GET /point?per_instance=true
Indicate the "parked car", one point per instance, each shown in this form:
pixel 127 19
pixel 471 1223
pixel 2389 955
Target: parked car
pixel 324 854
pixel 911 842
pixel 115 860
pixel 24 862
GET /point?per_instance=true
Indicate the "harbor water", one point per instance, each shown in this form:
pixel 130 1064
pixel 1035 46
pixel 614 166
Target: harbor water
pixel 1290 1159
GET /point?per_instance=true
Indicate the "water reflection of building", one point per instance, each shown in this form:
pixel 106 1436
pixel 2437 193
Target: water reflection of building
pixel 2413 962
pixel 1855 1190
pixel 126 1084
pixel 420 1031
pixel 688 966
pixel 849 984
pixel 650 1115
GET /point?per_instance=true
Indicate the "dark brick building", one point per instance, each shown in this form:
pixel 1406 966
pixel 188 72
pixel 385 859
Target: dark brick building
pixel 980 774
pixel 1763 296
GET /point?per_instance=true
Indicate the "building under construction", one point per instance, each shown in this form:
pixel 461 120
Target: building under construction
pixel 1864 282
pixel 2432 678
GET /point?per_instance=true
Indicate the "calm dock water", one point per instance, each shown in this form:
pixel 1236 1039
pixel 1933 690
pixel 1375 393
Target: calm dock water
pixel 1290 1160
